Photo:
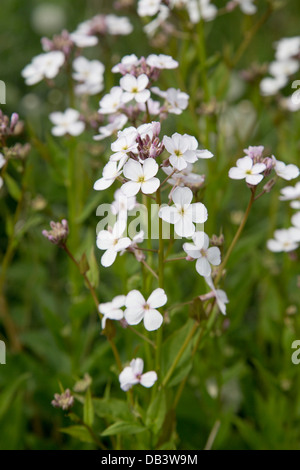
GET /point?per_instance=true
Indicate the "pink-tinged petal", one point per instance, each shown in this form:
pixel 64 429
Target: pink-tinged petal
pixel 150 186
pixel 157 299
pixel 103 183
pixel 133 170
pixel 127 379
pixel 130 188
pixel 137 366
pixel 214 256
pixel 142 96
pixel 199 212
pixel 169 214
pixel 258 168
pixel 236 173
pixel 254 179
pixel 150 168
pixel 148 379
pixel 182 196
pixel 222 299
pixel 152 319
pixel 134 299
pixel 104 240
pixel 244 163
pixel 203 267
pixel 142 81
pixel 184 227
pixel 134 315
pixel 108 258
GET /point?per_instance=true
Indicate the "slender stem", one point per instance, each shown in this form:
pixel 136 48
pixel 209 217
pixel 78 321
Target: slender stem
pixel 141 336
pixel 150 269
pixel 212 436
pixel 180 353
pixel 175 259
pixel 160 279
pixel 236 237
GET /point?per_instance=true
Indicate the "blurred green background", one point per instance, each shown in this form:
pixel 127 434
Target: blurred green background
pixel 243 375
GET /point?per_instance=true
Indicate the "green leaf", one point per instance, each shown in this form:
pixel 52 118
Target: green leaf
pixel 123 427
pixel 83 264
pixel 12 187
pixel 8 395
pixel 156 412
pixel 93 273
pixel 79 432
pixel 112 408
pixel 88 410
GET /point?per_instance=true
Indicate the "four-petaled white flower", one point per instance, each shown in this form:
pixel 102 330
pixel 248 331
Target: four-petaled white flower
pixel 90 73
pixel 135 88
pixel 183 214
pixel 122 204
pixel 112 101
pixel 175 100
pixel 245 169
pixel 112 310
pixel 117 123
pixel 182 149
pixel 138 309
pixel 67 123
pixel 133 375
pixel 161 61
pixel 142 177
pixel 43 66
pixel 125 143
pixel 110 173
pixel 204 255
pixel 284 240
pixel 113 242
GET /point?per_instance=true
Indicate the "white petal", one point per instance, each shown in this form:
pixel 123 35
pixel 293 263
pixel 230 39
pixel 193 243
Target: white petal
pixel 150 186
pixel 134 298
pixel 148 379
pixel 199 213
pixel 182 196
pixel 134 315
pixel 169 214
pixel 203 267
pixel 137 366
pixel 130 188
pixel 150 168
pixel 133 170
pixel 244 163
pixel 152 319
pixel 104 240
pixel 157 299
pixel 108 258
pixel 184 227
pixel 254 179
pixel 214 256
pixel 236 173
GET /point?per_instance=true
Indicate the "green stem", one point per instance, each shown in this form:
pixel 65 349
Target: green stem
pixel 160 280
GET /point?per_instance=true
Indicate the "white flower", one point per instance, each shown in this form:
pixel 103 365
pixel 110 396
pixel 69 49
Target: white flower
pixel 135 88
pixel 43 66
pixel 112 310
pixel 290 192
pixel 83 40
pixel 246 169
pixel 283 67
pixel 287 48
pixel 247 6
pixel 220 295
pixel 122 204
pixel 112 242
pixel 142 177
pixel 284 240
pixel 161 61
pixel 153 107
pixel 183 213
pixel 67 123
pixel 118 25
pixel 148 7
pixel 138 309
pixel 204 255
pixel 271 85
pixel 182 149
pixel 133 375
pixel 126 64
pixel 175 100
pixel 151 27
pixel 110 173
pixel 117 123
pixel 287 172
pixel 198 9
pixel 111 102
pixel 90 72
pixel 123 145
